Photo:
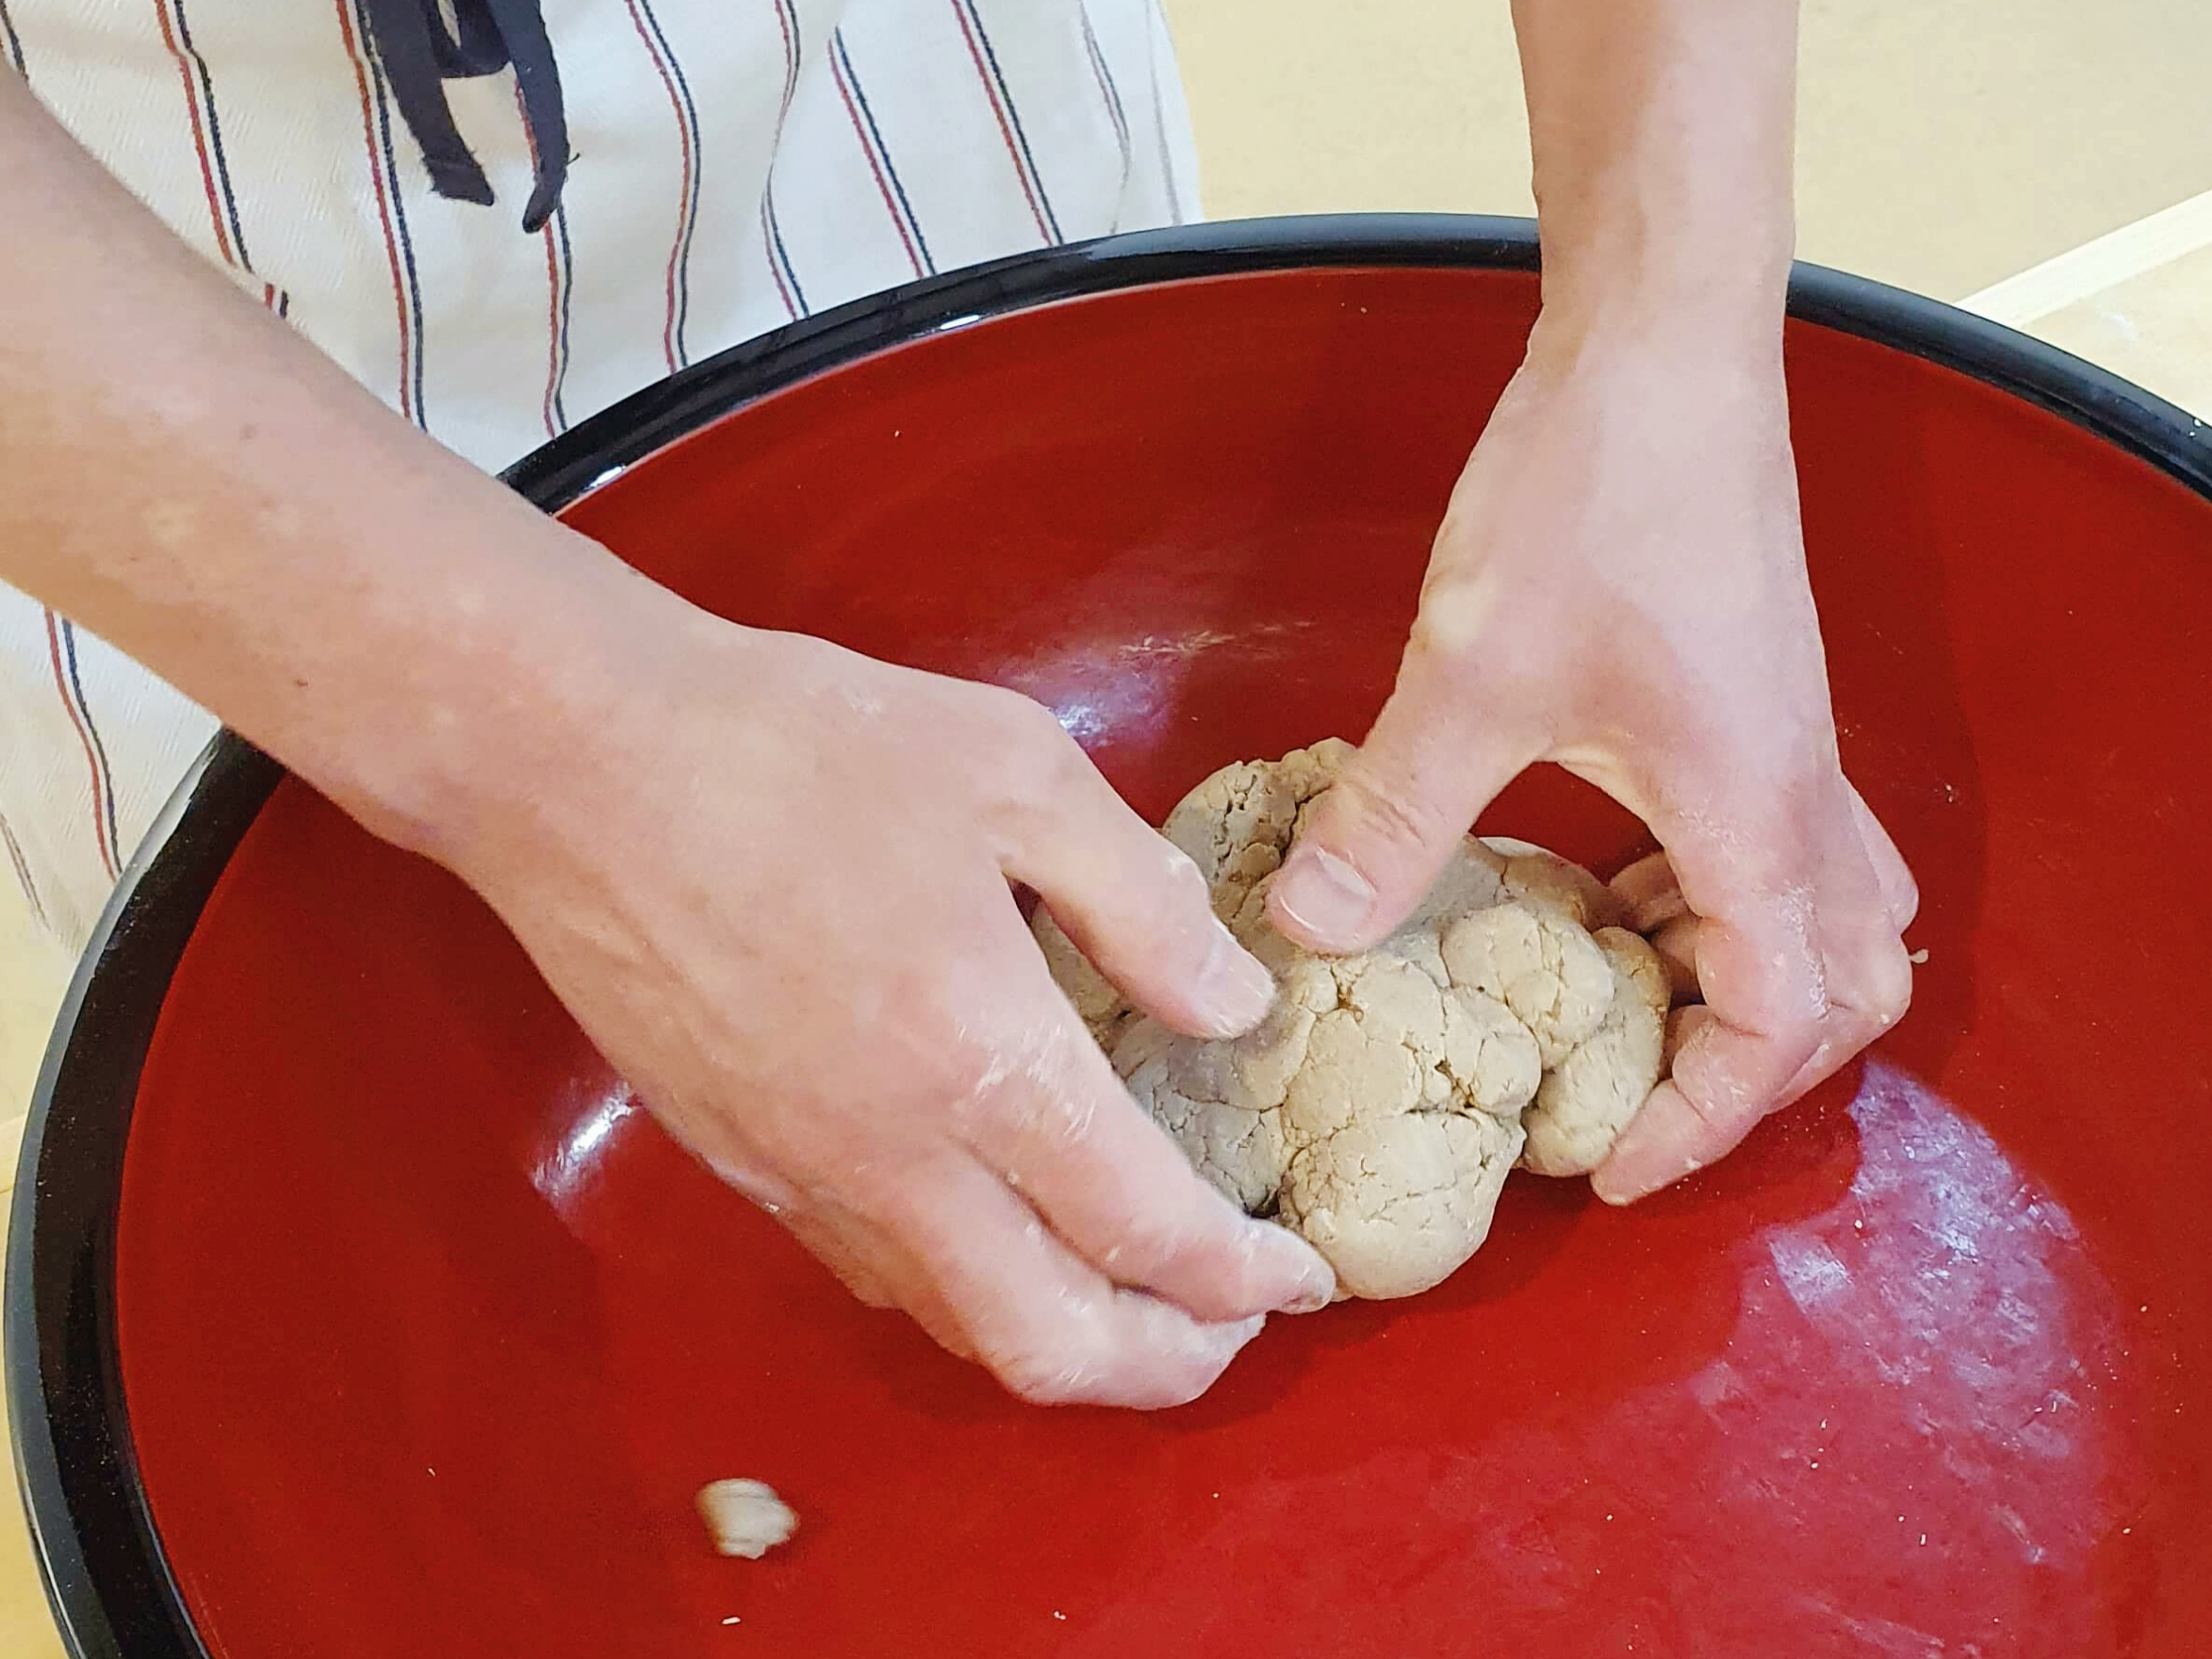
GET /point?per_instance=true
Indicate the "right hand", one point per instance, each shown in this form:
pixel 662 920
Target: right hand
pixel 1619 587
pixel 774 890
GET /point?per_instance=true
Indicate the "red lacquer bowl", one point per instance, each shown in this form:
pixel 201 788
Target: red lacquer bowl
pixel 356 1311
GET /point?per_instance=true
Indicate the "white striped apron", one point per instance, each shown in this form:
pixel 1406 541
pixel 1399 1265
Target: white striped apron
pixel 736 164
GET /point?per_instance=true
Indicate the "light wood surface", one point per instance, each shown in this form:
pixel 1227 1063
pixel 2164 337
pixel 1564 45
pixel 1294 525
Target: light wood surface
pixel 2163 239
pixel 1943 145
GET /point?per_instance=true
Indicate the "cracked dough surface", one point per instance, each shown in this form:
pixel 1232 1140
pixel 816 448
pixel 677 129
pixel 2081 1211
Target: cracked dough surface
pixel 1380 1107
pixel 1587 1100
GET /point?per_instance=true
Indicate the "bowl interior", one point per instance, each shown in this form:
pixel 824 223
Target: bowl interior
pixel 429 1335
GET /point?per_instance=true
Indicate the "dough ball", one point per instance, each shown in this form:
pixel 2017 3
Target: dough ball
pixel 1379 1107
pixel 746 1518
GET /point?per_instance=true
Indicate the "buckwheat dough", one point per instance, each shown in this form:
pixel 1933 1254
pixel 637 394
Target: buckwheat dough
pixel 1588 1099
pixel 1379 1107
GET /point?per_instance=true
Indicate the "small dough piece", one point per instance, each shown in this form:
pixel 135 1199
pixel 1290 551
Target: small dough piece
pixel 1588 1098
pixel 746 1518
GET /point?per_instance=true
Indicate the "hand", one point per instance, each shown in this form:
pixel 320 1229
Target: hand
pixel 773 889
pixel 1620 586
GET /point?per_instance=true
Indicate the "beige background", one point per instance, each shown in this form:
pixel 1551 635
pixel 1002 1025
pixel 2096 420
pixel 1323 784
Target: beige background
pixel 1944 145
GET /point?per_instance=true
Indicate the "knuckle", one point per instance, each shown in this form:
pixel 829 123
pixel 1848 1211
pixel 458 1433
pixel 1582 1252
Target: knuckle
pixel 1894 1005
pixel 1389 814
pixel 1724 1104
pixel 1044 784
pixel 1040 1373
pixel 1904 898
pixel 1173 1383
pixel 1016 713
pixel 1038 744
pixel 1887 992
pixel 1450 616
pixel 1169 908
pixel 1869 993
pixel 1146 1245
pixel 1035 1100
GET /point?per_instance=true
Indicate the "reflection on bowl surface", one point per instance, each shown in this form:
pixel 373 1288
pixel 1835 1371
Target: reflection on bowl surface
pixel 429 1335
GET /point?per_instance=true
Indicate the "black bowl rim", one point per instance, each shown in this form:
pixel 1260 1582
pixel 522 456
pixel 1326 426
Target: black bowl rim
pixel 106 1576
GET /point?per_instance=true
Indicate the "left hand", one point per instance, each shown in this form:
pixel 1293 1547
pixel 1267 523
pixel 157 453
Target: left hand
pixel 1620 586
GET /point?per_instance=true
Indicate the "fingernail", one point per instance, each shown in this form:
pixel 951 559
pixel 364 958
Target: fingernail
pixel 1328 899
pixel 1237 990
pixel 1315 1286
pixel 1613 1189
pixel 1618 1186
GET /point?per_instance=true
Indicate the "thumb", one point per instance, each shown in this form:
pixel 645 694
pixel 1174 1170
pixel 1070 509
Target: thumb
pixel 1375 842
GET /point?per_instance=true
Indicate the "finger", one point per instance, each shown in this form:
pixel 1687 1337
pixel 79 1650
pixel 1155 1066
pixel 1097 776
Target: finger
pixel 1134 904
pixel 1681 1024
pixel 989 1280
pixel 1868 973
pixel 1651 891
pixel 1789 957
pixel 1686 1123
pixel 1757 964
pixel 1725 1078
pixel 1399 810
pixel 1900 891
pixel 1721 1085
pixel 1677 946
pixel 1064 1132
pixel 1722 1081
pixel 1870 988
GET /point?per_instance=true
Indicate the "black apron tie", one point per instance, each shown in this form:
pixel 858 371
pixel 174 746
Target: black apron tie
pixel 418 55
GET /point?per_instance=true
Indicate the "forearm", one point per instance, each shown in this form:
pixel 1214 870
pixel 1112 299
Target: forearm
pixel 185 476
pixel 1662 135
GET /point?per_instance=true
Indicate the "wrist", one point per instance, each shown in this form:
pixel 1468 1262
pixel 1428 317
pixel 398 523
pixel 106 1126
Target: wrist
pixel 532 683
pixel 1728 289
pixel 1694 319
